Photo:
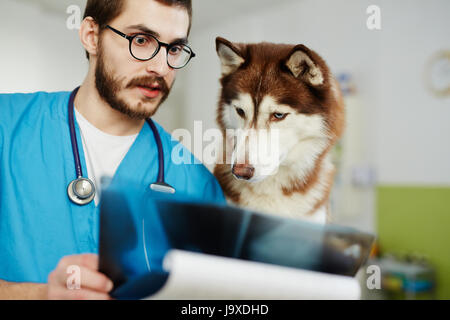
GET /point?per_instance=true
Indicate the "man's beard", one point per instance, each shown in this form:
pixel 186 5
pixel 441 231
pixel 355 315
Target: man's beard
pixel 108 88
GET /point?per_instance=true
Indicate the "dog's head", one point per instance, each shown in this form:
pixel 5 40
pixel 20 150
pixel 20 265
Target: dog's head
pixel 279 104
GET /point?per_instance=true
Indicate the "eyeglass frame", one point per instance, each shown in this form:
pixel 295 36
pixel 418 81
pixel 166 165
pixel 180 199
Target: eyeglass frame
pixel 160 44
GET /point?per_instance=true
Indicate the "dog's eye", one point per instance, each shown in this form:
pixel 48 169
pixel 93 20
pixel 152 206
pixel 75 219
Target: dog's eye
pixel 240 112
pixel 279 116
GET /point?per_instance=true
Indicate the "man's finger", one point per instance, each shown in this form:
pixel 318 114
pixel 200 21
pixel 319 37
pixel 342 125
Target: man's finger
pixel 86 279
pixel 95 280
pixel 79 276
pixel 89 261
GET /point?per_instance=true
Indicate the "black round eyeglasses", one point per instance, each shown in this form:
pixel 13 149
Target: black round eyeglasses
pixel 144 47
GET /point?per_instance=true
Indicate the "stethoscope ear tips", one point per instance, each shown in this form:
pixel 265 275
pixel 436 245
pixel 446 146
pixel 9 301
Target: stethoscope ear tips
pixel 81 191
pixel 162 187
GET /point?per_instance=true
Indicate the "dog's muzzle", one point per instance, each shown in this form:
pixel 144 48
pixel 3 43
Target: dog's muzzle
pixel 243 171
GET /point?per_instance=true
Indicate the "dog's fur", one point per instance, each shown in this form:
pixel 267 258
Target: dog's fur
pixel 260 82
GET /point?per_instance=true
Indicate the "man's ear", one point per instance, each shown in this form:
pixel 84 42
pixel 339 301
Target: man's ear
pixel 230 56
pixel 89 35
pixel 303 65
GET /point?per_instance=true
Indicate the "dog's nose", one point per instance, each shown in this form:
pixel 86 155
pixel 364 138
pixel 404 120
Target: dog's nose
pixel 243 171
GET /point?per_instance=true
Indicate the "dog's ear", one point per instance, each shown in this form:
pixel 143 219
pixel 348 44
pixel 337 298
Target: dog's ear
pixel 304 64
pixel 230 56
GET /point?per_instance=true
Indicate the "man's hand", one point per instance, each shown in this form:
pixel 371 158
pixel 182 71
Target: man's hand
pixel 93 286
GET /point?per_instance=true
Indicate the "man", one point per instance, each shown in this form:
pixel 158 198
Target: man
pixel 135 48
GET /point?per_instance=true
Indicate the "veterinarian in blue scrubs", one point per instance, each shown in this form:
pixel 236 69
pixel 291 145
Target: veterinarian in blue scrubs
pixel 42 228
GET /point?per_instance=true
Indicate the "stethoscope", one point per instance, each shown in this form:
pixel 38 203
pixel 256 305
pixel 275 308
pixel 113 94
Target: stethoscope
pixel 82 191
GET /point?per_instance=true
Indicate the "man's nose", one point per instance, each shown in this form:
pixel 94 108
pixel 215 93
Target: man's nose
pixel 158 64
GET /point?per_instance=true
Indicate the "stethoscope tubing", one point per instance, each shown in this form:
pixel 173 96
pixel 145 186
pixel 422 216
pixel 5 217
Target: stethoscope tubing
pixel 73 136
pixel 160 151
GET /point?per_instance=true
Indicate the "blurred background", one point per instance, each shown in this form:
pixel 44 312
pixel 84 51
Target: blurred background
pixel 394 166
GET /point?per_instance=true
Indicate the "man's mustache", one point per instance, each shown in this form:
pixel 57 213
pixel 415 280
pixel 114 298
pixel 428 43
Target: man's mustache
pixel 149 82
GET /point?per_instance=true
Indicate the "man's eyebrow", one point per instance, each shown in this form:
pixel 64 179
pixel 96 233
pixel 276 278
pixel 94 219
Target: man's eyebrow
pixel 145 29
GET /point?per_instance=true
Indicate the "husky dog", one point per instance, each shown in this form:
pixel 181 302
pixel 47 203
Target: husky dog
pixel 283 89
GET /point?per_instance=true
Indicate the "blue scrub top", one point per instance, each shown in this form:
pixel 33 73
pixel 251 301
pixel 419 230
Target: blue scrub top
pixel 38 223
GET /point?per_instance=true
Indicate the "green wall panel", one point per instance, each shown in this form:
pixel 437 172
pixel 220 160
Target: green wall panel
pixel 417 219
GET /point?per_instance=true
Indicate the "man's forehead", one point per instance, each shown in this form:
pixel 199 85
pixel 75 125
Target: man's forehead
pixel 169 23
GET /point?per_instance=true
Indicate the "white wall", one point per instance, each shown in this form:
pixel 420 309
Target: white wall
pixel 413 126
pixel 38 52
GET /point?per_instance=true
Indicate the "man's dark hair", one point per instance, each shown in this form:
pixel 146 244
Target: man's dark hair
pixel 104 11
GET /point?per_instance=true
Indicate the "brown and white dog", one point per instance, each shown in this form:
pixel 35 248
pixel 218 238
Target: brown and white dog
pixel 286 89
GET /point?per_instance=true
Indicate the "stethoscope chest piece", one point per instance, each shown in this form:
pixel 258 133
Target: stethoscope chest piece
pixel 81 191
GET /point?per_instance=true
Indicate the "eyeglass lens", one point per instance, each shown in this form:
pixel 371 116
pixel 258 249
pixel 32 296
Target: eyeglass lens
pixel 144 47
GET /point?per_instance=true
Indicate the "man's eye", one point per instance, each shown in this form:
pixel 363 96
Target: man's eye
pixel 141 41
pixel 175 50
